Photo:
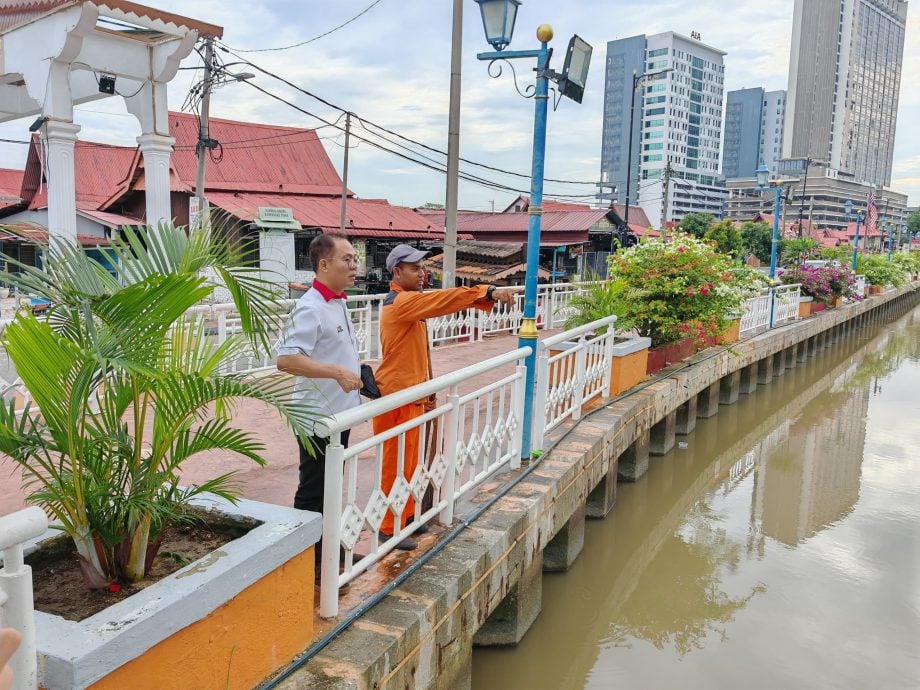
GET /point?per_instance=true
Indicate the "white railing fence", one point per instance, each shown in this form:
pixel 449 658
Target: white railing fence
pixel 454 448
pixel 859 287
pixel 16 590
pixel 771 307
pixel 786 303
pixel 573 368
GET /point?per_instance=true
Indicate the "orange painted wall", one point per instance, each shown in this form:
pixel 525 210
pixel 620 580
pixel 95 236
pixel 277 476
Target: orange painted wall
pixel 627 371
pixel 238 645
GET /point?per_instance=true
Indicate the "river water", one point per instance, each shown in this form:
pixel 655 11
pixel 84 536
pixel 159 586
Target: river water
pixel 779 549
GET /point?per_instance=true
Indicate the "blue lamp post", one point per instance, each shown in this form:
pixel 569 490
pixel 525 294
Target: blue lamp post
pixel 849 215
pixel 763 179
pixel 498 18
pixel 890 238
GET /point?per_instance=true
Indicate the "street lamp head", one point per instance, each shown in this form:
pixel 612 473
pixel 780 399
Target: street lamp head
pixel 545 33
pixel 498 21
pixel 763 175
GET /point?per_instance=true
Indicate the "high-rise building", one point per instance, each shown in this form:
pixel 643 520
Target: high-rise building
pixel 844 82
pixel 753 131
pixel 676 127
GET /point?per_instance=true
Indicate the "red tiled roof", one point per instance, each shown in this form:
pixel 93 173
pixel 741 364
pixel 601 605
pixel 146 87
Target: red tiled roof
pixel 35 234
pixel 557 228
pixel 372 218
pixel 10 188
pixel 14 13
pixel 548 205
pixel 256 158
pixel 637 215
pixel 851 230
pixel 112 220
pixel 100 169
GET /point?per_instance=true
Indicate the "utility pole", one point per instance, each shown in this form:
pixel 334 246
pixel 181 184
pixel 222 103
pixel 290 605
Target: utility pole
pixel 453 151
pixel 345 173
pixel 204 143
pixel 802 202
pixel 664 198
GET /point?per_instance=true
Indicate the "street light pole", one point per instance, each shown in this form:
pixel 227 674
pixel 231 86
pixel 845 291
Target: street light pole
pixel 453 151
pixel 848 214
pixel 778 193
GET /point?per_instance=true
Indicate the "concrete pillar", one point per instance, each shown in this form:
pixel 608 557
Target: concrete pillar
pixel 730 388
pixel 156 149
pixel 604 496
pixel 779 363
pixel 661 439
pixel 60 138
pixel 707 402
pixel 458 673
pixel 563 549
pixel 686 417
pixel 748 382
pixel 801 352
pixel 792 356
pixel 633 463
pixel 512 618
pixel 765 370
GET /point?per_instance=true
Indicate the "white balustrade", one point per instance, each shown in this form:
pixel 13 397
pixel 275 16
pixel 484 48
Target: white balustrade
pixel 756 314
pixel 573 367
pixel 457 445
pixel 786 303
pixel 16 601
pixel 859 286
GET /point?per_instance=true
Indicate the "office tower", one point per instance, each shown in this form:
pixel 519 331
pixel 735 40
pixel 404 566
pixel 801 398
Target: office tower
pixel 676 128
pixel 844 81
pixel 754 121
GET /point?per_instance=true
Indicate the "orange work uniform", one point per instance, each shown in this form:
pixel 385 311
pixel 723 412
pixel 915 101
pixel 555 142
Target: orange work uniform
pixel 404 341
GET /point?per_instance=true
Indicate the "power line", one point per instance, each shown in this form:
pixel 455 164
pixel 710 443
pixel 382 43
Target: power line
pixel 391 132
pixel 315 38
pixel 431 166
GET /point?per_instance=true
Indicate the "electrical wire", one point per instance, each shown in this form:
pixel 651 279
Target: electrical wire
pixel 367 123
pixel 315 38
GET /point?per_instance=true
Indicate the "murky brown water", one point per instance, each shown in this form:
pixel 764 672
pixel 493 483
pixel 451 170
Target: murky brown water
pixel 780 549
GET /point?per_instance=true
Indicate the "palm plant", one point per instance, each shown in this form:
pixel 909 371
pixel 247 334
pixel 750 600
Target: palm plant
pixel 125 387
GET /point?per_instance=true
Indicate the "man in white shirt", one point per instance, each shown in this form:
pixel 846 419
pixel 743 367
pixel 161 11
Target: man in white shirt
pixel 320 349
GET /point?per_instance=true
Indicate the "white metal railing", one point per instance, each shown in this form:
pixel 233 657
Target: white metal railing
pixel 573 367
pixel 786 302
pixel 16 599
pixel 859 286
pixel 756 314
pixel 457 445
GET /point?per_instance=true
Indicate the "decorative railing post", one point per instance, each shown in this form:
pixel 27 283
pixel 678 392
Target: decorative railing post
pixel 581 378
pixel 550 318
pixel 608 358
pixel 451 438
pixel 541 386
pixel 16 590
pixel 332 526
pixel 518 400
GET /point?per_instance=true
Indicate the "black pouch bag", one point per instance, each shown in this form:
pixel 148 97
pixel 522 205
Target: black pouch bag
pixel 368 384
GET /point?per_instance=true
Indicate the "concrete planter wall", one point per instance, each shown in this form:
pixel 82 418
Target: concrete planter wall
pixel 668 354
pixel 805 306
pixel 817 306
pixel 630 359
pixel 227 620
pixel 732 334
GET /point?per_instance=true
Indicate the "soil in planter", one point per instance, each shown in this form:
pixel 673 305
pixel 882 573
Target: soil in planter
pixel 59 587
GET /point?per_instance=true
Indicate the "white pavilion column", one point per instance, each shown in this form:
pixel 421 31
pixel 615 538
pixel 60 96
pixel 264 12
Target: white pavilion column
pixel 156 149
pixel 60 138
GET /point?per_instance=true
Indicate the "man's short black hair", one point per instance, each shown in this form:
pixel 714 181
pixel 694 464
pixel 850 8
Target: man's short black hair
pixel 323 246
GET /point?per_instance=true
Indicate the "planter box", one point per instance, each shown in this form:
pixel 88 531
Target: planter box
pixel 817 306
pixel 630 360
pixel 665 355
pixel 732 334
pixel 229 619
pixel 838 302
pixel 805 306
pixel 875 289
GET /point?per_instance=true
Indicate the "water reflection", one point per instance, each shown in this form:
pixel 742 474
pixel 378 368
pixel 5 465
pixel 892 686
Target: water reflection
pixel 711 570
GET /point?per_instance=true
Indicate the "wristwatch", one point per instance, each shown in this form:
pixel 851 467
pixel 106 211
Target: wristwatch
pixel 489 292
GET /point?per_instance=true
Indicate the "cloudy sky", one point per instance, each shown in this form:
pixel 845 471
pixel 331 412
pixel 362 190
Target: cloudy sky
pixel 391 66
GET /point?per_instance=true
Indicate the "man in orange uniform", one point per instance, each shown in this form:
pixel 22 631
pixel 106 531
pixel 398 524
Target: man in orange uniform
pixel 404 339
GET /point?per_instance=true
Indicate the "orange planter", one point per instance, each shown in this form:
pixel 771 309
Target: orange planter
pixel 805 307
pixel 628 367
pixel 670 353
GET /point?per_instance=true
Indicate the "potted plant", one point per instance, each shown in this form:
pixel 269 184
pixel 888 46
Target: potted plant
pixel 824 284
pixel 675 294
pixel 880 272
pixel 598 299
pixel 125 387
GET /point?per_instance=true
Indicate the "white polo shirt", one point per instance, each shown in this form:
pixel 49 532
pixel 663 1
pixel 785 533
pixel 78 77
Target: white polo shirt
pixel 322 331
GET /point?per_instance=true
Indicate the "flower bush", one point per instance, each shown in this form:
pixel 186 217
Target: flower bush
pixel 683 288
pixel 880 271
pixel 821 283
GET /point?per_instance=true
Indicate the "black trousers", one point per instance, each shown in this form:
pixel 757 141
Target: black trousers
pixel 309 495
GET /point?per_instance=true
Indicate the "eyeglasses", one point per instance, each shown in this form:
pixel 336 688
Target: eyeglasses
pixel 348 260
